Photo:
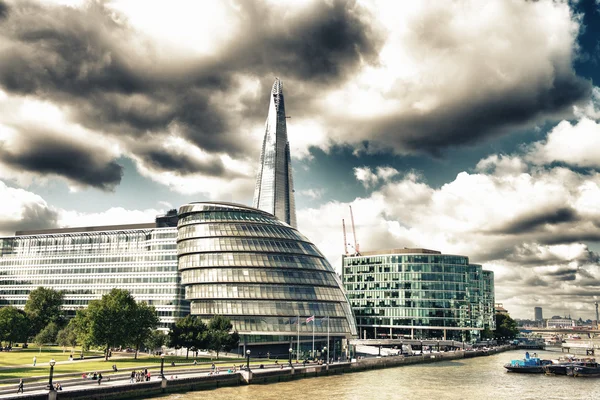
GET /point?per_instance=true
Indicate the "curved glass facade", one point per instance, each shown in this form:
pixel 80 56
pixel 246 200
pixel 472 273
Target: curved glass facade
pixel 424 293
pixel 262 274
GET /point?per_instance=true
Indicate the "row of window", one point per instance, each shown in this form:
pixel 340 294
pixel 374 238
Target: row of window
pixel 256 275
pixel 278 324
pixel 378 269
pixel 406 276
pixel 227 216
pixel 136 291
pixel 252 260
pixel 243 230
pixel 77 280
pixel 83 269
pixel 424 321
pixel 408 258
pixel 274 308
pixel 266 292
pixel 243 244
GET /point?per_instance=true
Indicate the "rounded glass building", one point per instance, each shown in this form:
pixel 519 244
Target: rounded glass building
pixel 262 274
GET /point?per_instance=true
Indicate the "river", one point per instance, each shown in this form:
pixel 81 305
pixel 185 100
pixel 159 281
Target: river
pixel 474 378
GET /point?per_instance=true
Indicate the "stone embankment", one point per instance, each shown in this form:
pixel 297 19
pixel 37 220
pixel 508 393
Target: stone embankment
pixel 194 380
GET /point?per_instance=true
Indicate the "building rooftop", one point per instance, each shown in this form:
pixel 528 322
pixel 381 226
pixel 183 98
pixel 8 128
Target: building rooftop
pixel 86 229
pixel 399 251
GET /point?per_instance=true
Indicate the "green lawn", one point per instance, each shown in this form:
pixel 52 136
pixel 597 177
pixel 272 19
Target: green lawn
pixel 20 362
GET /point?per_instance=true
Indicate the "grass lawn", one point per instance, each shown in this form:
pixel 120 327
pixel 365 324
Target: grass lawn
pixel 20 362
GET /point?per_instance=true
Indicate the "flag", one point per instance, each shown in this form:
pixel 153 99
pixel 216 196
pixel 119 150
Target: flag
pixel 310 319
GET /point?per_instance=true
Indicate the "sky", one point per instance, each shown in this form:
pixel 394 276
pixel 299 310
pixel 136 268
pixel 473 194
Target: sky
pixel 468 127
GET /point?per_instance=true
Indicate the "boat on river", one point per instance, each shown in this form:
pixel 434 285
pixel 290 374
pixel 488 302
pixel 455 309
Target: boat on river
pixel 586 369
pixel 565 366
pixel 528 365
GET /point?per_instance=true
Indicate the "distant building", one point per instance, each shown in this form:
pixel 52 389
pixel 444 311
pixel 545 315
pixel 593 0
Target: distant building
pixel 560 323
pixel 418 293
pixel 538 313
pixel 499 309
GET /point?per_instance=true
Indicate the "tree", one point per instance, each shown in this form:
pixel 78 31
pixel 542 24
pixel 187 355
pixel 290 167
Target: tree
pixel 67 337
pixel 219 336
pixel 188 332
pixel 143 324
pixel 506 327
pixel 46 335
pixel 42 307
pixel 107 322
pixel 14 325
pixel 156 340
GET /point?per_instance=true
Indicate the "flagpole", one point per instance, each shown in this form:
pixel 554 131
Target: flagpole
pixel 313 350
pixel 298 341
pixel 328 348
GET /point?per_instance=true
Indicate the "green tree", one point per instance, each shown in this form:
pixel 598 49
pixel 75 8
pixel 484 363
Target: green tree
pixel 219 336
pixel 80 326
pixel 188 332
pixel 156 340
pixel 506 327
pixel 67 337
pixel 14 325
pixel 143 324
pixel 46 335
pixel 108 321
pixel 43 306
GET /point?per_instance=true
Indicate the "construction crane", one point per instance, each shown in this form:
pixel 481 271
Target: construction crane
pixel 345 241
pixel 596 315
pixel 354 233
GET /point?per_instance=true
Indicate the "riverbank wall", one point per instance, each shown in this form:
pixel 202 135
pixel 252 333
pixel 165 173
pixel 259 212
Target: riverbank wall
pixel 145 390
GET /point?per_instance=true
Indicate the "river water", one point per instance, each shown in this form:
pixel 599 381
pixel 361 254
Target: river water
pixel 473 378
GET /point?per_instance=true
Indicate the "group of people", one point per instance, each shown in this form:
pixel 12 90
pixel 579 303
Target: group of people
pixel 139 376
pixel 93 376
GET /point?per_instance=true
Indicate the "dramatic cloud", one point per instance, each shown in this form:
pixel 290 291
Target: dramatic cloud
pixel 48 145
pixel 114 79
pixel 455 74
pixel 369 178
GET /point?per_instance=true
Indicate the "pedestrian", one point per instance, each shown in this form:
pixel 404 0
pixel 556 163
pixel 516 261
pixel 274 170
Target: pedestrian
pixel 132 377
pixel 99 378
pixel 20 390
pixel 34 360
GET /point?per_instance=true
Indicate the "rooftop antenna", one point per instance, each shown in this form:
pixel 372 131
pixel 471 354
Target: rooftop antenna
pixel 354 233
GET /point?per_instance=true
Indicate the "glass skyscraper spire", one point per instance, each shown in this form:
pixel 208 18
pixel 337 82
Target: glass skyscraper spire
pixel 274 191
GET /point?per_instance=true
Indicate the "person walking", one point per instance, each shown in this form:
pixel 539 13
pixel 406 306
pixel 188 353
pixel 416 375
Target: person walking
pixel 99 378
pixel 20 389
pixel 132 377
pixel 34 360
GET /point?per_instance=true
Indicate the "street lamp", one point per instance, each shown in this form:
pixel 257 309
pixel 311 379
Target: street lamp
pixel 162 366
pixel 50 387
pixel 248 360
pixel 421 347
pixel 291 356
pixel 326 355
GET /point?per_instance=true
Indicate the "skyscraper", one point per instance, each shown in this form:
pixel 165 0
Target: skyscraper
pixel 538 313
pixel 274 191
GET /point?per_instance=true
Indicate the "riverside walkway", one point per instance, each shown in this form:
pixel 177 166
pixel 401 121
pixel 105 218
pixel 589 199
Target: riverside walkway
pixel 200 377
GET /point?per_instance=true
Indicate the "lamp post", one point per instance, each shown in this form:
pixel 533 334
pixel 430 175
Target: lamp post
pixel 50 387
pixel 326 354
pixel 248 360
pixel 421 347
pixel 291 350
pixel 162 366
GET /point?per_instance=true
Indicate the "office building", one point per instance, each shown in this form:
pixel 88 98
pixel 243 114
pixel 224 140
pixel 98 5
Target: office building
pixel 418 293
pixel 86 263
pixel 262 274
pixel 538 313
pixel 274 191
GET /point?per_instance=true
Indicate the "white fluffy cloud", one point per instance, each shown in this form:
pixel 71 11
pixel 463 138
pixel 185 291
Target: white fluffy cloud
pixel 369 178
pixel 575 144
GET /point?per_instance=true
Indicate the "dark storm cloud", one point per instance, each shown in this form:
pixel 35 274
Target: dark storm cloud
pixel 47 153
pixel 533 222
pixel 535 281
pixel 115 82
pixel 3 10
pixel 474 119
